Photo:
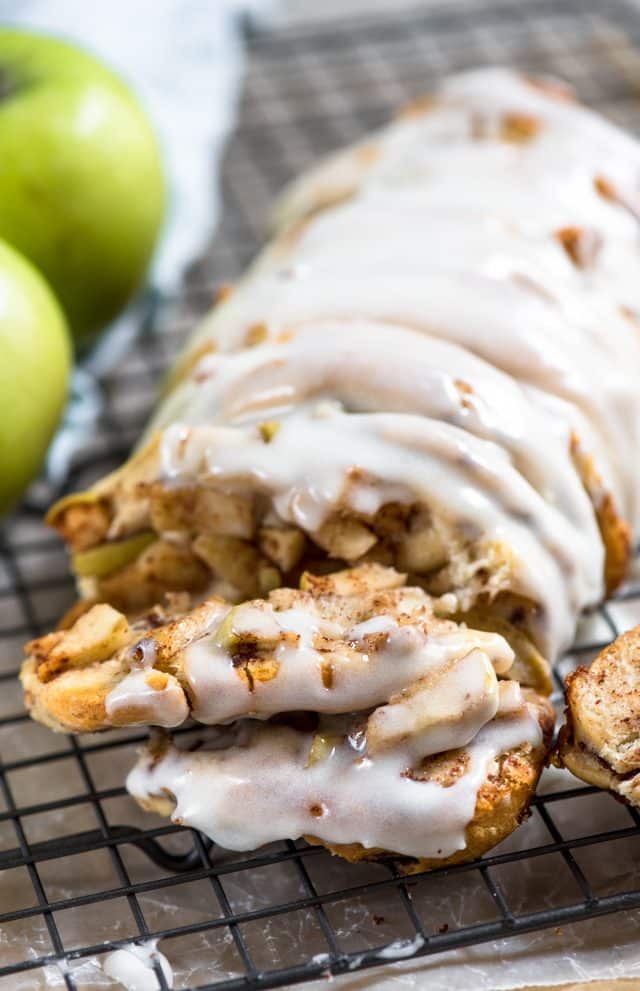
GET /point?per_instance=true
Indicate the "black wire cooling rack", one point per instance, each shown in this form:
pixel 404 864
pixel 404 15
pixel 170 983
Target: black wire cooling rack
pixel 82 870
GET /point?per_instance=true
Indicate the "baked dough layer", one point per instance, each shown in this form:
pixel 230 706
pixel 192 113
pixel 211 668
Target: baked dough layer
pixel 495 804
pixel 178 662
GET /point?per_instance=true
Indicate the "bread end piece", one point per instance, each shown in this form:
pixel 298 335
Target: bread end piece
pixel 600 741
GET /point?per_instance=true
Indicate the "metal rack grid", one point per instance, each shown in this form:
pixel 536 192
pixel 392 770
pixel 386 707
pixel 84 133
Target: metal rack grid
pixel 62 800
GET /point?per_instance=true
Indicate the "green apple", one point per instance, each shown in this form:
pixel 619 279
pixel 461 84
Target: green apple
pixel 81 182
pixel 35 359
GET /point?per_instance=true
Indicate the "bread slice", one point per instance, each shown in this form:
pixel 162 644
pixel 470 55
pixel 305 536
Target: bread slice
pixel 271 783
pixel 600 741
pixel 296 649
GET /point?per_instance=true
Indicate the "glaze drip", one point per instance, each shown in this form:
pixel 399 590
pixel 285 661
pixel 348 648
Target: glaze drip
pixel 261 788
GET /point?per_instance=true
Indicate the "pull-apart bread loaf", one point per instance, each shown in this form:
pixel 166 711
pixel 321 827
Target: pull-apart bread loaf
pixel 427 369
pixel 340 644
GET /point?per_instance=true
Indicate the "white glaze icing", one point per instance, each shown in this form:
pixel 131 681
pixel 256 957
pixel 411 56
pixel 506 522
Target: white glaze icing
pixel 476 233
pixel 261 788
pixel 540 184
pixel 379 366
pixel 145 704
pixel 145 696
pixel 252 782
pixel 401 948
pixel 371 627
pixel 323 457
pixel 557 346
pixel 132 966
pixel 358 674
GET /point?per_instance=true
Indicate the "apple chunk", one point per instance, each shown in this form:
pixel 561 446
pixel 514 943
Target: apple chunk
pixel 464 692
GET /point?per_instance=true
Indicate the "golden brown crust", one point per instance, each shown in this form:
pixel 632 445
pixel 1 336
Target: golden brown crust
pixel 185 365
pixel 600 741
pixel 418 107
pixel 72 702
pixel 581 244
pixel 68 674
pixel 557 89
pixel 81 520
pixel 614 530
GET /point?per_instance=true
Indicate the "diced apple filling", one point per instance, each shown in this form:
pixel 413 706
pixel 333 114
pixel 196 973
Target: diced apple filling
pixel 203 539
